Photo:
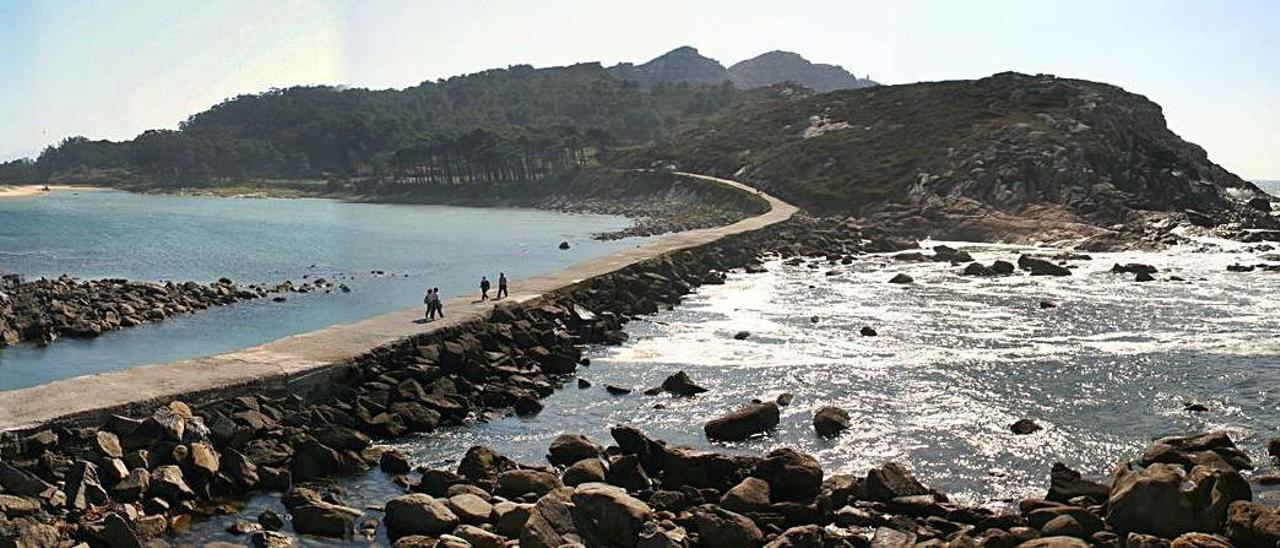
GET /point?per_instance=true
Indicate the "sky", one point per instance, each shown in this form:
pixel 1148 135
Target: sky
pixel 110 69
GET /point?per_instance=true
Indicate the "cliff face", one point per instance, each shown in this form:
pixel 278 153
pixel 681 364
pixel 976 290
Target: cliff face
pixel 972 158
pixel 777 67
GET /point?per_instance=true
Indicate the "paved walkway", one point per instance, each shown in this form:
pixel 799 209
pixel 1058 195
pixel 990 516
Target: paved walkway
pixel 280 362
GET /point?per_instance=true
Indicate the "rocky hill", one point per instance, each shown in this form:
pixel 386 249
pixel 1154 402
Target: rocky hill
pixel 1008 157
pixel 777 67
pixel 686 65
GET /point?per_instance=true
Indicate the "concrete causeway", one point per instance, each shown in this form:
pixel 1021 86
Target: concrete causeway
pixel 284 362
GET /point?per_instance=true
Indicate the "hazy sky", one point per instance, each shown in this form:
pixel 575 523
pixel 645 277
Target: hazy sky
pixel 111 69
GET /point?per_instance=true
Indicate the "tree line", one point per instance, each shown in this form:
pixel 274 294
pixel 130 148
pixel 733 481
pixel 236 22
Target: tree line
pixel 498 125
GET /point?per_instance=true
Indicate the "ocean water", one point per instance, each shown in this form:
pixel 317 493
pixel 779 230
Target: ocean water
pixel 956 361
pixel 1270 187
pixel 146 237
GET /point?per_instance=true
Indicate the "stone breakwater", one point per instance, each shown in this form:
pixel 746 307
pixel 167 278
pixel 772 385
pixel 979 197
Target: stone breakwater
pixel 42 310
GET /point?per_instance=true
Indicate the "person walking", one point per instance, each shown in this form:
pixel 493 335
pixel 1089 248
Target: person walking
pixel 431 307
pixel 484 288
pixel 436 305
pixel 502 285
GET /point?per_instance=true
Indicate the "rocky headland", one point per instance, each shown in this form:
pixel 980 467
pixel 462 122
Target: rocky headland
pixel 40 311
pixel 1012 158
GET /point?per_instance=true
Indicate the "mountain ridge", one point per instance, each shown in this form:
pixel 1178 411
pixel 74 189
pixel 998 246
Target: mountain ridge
pixel 686 65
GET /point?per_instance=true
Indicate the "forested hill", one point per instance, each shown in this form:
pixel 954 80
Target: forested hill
pixel 494 125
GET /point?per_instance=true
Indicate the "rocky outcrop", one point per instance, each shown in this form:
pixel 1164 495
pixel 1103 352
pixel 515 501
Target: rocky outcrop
pixel 43 310
pixel 778 67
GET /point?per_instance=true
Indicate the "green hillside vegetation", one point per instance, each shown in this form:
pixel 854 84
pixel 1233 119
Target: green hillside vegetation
pixel 494 125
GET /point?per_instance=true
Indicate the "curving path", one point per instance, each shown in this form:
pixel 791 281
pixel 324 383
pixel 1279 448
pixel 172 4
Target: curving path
pixel 303 360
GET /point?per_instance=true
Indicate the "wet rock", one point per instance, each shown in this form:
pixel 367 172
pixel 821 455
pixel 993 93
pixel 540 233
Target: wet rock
pixel 270 520
pixel 681 385
pixel 720 528
pixel 1041 267
pixel 394 461
pixel 1024 426
pixel 564 245
pixel 1133 268
pixel 417 514
pixel 743 423
pixel 1143 277
pixel 527 405
pixel 1066 484
pixel 784 399
pixel 868 331
pixel 312 515
pixel 482 465
pixel 741 335
pixel 901 278
pixel 568 449
pixel 1063 525
pixel 607 515
pixel 617 390
pixel 1048 304
pixel 830 421
pixel 751 495
pixel 891 481
pixel 1195 407
pixel 584 383
pixel 272 539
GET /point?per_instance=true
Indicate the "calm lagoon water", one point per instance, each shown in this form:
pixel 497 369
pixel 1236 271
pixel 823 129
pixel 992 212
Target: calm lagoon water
pixel 179 238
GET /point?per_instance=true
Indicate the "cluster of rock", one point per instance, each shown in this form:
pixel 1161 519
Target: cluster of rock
pixel 42 310
pixel 1184 491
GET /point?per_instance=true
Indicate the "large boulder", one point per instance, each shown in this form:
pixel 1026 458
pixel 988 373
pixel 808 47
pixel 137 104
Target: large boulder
pixel 312 515
pixel 891 481
pixel 751 495
pixel 83 489
pixel 748 421
pixel 720 528
pixel 830 421
pixel 1164 500
pixel 516 483
pixel 550 523
pixel 792 475
pixel 418 514
pixel 567 449
pixel 481 466
pixel 607 515
pixel 584 471
pixel 1213 449
pixel 1066 484
pixel 1252 525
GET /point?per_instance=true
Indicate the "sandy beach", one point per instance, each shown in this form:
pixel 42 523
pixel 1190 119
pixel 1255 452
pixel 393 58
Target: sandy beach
pixel 22 191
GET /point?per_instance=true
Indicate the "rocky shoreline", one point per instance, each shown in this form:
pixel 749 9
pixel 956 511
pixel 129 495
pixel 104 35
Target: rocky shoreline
pixel 41 311
pixel 142 476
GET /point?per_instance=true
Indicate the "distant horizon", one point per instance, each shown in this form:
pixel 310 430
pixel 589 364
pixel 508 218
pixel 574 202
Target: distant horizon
pixel 108 70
